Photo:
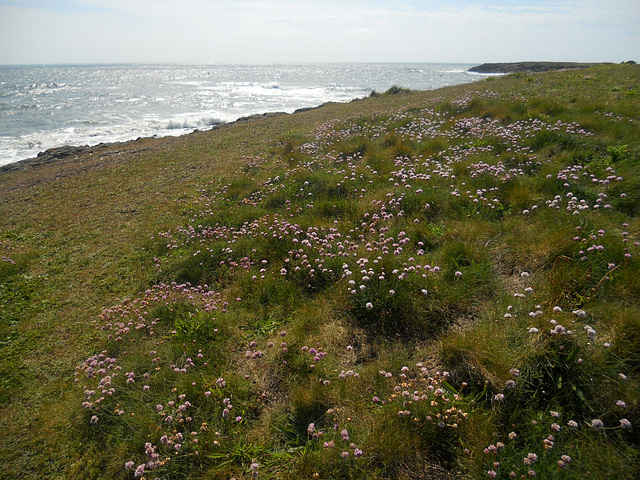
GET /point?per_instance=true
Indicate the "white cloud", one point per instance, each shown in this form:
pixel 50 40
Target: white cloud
pixel 288 30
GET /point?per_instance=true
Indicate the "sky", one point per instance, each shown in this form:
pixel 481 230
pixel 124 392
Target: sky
pixel 295 31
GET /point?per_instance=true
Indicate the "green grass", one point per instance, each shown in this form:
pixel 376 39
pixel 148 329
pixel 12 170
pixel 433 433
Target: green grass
pixel 424 285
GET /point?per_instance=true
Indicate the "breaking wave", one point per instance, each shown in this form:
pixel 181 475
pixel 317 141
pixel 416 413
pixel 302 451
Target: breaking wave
pixel 192 124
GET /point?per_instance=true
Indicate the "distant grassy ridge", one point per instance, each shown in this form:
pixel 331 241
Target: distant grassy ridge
pixel 428 285
pixel 530 67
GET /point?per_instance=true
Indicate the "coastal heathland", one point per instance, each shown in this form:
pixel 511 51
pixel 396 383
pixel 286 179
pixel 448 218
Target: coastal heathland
pixel 413 285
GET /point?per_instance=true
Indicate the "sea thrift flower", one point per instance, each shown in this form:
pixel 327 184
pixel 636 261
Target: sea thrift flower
pixel 139 470
pixel 548 442
pixel 490 449
pixel 597 424
pixel 624 423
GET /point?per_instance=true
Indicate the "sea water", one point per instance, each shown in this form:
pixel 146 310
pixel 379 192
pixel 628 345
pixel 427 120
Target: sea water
pixel 48 106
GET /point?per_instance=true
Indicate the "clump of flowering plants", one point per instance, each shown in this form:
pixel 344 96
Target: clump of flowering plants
pixel 428 407
pixel 160 373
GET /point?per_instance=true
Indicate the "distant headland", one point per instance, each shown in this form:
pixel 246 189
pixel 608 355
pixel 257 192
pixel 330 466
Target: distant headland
pixel 530 66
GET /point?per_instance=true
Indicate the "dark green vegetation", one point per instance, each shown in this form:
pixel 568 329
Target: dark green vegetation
pixel 531 67
pixel 428 285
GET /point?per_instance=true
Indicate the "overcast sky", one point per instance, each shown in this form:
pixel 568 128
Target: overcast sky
pixel 249 31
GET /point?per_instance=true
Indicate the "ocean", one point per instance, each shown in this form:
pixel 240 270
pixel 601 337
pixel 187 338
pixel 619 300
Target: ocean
pixel 49 106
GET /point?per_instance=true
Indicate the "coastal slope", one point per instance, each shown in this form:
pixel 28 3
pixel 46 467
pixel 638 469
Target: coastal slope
pixel 428 285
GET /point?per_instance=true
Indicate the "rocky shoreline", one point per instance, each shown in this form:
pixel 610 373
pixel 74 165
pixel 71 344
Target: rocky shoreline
pixel 53 155
pixel 112 148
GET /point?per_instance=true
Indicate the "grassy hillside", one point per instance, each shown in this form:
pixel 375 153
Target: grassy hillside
pixel 421 285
